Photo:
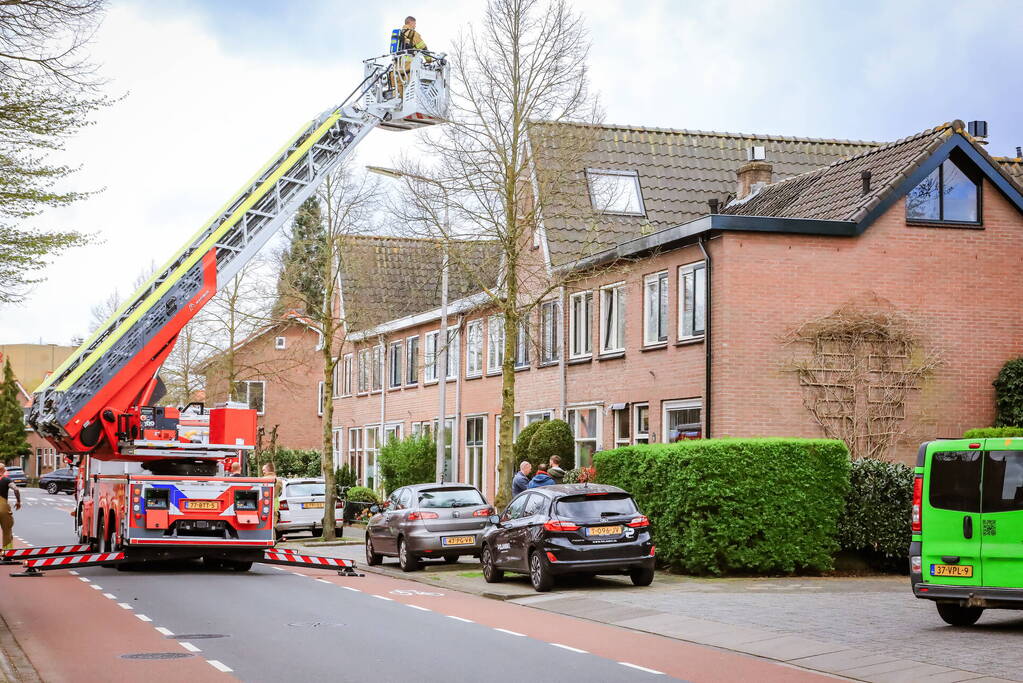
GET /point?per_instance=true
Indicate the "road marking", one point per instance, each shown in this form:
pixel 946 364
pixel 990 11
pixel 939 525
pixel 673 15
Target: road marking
pixel 124 605
pixel 451 616
pixel 511 633
pixel 92 585
pixel 280 569
pixel 188 646
pixel 422 609
pixel 642 668
pixel 82 578
pixel 382 597
pixel 219 666
pixel 143 617
pixel 351 589
pixel 73 573
pixel 164 631
pixel 323 581
pixel 110 596
pixel 570 648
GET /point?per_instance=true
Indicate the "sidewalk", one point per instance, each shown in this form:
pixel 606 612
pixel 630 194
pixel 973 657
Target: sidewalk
pixel 868 629
pixel 14 665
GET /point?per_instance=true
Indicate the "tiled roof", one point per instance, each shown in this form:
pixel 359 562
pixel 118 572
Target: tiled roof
pixel 385 278
pixel 1013 167
pixel 679 171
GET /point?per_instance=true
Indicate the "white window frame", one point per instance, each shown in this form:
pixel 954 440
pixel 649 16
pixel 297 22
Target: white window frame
pixel 347 365
pixel 495 344
pixel 474 348
pixel 531 416
pixel 337 443
pixel 474 475
pixel 550 332
pixel 395 429
pixel 617 416
pixel 395 361
pixel 580 326
pixel 699 299
pixel 612 296
pixel 655 303
pixel 454 352
pixel 362 380
pixel 335 374
pixel 431 339
pixel 412 360
pixel 374 452
pixel 620 177
pixel 280 342
pixel 379 369
pixel 248 389
pixel 573 423
pixel 684 404
pixel 522 359
pixel 638 436
pixel 319 398
pixel 516 428
pixel 355 448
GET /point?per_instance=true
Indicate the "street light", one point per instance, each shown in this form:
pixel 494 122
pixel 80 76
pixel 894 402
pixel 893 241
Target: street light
pixel 442 360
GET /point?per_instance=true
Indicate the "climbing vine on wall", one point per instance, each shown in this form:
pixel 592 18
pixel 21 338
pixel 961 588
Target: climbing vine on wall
pixel 858 367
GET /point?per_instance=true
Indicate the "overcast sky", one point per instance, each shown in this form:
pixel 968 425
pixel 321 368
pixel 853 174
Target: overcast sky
pixel 214 87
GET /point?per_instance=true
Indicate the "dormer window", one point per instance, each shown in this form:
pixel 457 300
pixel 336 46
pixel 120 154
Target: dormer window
pixel 948 194
pixel 615 192
pixel 280 342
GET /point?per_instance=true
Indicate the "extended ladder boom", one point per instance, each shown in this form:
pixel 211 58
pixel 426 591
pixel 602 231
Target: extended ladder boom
pixel 115 368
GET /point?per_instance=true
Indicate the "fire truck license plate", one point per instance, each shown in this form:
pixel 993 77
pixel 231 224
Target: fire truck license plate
pixel 202 505
pixel 960 571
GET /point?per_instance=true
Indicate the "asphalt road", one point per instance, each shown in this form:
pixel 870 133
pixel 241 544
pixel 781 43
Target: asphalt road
pixel 273 624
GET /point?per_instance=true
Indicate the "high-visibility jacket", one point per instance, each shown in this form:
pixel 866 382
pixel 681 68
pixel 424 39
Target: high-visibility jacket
pixel 411 40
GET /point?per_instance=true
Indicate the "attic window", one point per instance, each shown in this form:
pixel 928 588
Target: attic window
pixel 615 192
pixel 280 342
pixel 948 194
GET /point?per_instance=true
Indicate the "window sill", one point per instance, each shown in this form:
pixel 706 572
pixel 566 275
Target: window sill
pixel 611 355
pixel 397 388
pixel 660 346
pixel 580 360
pixel 979 225
pixel 430 382
pixel 412 385
pixel 549 364
pixel 521 368
pixel 469 377
pixel 493 373
pixel 689 340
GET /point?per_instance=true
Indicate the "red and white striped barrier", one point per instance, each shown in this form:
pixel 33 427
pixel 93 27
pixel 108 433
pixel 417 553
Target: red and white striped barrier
pixel 293 559
pixel 36 567
pixel 44 551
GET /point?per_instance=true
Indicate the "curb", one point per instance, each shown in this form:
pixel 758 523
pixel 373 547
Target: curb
pixel 15 666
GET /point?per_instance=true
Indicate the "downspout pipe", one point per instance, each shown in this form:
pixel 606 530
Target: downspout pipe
pixel 708 354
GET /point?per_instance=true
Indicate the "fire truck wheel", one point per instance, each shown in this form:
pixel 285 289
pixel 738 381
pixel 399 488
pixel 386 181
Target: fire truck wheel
pixel 239 566
pixel 213 563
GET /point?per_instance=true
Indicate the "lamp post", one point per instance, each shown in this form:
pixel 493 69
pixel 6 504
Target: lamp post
pixel 441 358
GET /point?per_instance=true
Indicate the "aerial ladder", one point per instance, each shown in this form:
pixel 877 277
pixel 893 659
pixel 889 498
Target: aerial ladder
pixel 151 478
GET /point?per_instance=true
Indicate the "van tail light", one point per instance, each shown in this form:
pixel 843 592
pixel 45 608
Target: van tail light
pixel 640 521
pixel 422 514
pixel 283 505
pixel 558 525
pixel 918 500
pixel 483 512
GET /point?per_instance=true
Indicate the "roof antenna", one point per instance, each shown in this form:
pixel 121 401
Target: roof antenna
pixel 865 177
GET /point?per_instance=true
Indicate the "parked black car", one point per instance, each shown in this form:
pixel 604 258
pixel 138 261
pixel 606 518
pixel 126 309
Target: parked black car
pixel 58 480
pixel 569 529
pixel 17 475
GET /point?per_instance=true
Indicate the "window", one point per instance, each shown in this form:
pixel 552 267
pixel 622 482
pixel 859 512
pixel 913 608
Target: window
pixel 337 450
pixel 955 480
pixel 495 343
pixel 355 452
pixel 346 375
pixel 692 300
pixel 319 398
pixel 550 331
pixel 430 357
pixel 655 308
pixel 682 420
pixel 412 362
pixel 365 358
pixel 580 325
pixel 537 416
pixel 641 413
pixel 453 353
pixel 623 435
pixel 522 343
pixel 335 372
pixel 586 431
pixel 1003 481
pixel 372 450
pixel 396 362
pixel 393 431
pixel 516 428
pixel 615 192
pixel 280 342
pixel 449 463
pixel 251 392
pixel 474 349
pixel 475 450
pixel 378 368
pixel 535 504
pixel 947 194
pixel 612 318
pixel 514 509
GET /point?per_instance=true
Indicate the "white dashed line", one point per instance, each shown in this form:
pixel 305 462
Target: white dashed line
pixel 422 609
pixel 351 589
pixel 569 648
pixel 381 597
pixel 124 605
pixel 451 616
pixel 219 667
pixel 323 581
pixel 110 596
pixel 164 631
pixel 642 668
pixel 73 573
pixel 188 646
pixel 280 569
pixel 92 585
pixel 511 633
pixel 143 617
pixel 82 578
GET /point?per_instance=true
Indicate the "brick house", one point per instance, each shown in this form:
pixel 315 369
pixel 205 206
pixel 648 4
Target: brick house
pixel 278 371
pixel 689 317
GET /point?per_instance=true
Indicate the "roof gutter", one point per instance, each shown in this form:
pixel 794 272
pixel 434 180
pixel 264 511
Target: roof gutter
pixel 460 306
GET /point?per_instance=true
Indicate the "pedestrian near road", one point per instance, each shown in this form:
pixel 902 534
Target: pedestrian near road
pixel 541 478
pixel 236 469
pixel 521 480
pixel 6 516
pixel 555 470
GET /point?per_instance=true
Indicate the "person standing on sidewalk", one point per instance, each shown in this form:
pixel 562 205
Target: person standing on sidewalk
pixel 6 516
pixel 554 469
pixel 520 482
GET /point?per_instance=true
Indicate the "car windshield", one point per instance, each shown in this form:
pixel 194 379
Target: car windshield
pixel 15 470
pixel 450 498
pixel 307 489
pixel 595 506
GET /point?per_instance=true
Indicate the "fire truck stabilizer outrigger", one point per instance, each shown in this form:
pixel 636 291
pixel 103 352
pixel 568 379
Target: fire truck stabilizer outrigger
pixel 152 480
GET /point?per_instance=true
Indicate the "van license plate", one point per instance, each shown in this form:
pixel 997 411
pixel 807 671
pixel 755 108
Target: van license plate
pixel 604 530
pixel 959 571
pixel 457 540
pixel 202 505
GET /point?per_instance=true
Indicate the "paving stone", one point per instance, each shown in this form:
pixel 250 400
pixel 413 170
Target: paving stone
pixel 833 662
pixel 919 672
pixel 953 676
pixel 864 672
pixel 736 637
pixel 786 648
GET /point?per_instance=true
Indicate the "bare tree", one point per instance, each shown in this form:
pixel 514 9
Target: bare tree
pixel 181 372
pixel 519 72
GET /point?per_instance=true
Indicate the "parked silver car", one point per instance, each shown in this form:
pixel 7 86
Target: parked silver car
pixel 301 507
pixel 428 521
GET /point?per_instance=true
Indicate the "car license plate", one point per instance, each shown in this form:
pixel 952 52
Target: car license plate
pixel 312 505
pixel 604 530
pixel 959 571
pixel 202 505
pixel 457 540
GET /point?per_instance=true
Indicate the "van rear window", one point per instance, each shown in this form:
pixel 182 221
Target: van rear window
pixel 1003 481
pixel 954 480
pixel 595 506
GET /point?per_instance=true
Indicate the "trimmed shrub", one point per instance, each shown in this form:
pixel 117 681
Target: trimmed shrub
pixel 361 494
pixel 993 433
pixel 412 460
pixel 551 438
pixel 293 462
pixel 737 505
pixel 522 441
pixel 1009 394
pixel 876 521
pixel 345 476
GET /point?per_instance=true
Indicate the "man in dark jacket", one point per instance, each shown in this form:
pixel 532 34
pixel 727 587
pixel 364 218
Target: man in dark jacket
pixel 555 470
pixel 541 478
pixel 521 480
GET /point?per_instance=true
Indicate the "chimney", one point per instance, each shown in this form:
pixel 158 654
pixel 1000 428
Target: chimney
pixel 978 130
pixel 1019 152
pixel 714 203
pixel 752 176
pixel 865 177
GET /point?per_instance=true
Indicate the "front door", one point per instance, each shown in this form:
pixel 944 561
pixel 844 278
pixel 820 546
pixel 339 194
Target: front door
pixel 504 552
pixel 950 519
pixel 1002 517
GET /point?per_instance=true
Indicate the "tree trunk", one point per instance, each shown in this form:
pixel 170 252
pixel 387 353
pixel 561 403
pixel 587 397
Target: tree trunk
pixel 327 455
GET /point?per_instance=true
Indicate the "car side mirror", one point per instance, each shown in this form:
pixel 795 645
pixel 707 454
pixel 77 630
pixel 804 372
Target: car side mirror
pixel 374 508
pixel 495 520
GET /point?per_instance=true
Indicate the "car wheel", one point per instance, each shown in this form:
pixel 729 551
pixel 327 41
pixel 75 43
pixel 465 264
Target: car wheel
pixel 956 615
pixel 372 558
pixel 406 559
pixel 642 576
pixel 540 573
pixel 52 488
pixel 491 574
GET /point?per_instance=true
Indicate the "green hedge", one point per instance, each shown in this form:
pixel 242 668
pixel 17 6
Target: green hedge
pixel 1009 394
pixel 876 521
pixel 361 494
pixel 412 460
pixel 737 505
pixel 294 462
pixel 551 438
pixel 993 433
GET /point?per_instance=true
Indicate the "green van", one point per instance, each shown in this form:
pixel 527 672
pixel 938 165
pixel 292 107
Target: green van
pixel 967 548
